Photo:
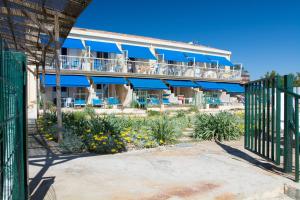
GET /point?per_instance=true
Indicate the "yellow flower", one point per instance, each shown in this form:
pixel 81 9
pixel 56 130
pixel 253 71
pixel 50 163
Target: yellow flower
pixel 88 131
pixel 161 141
pixel 104 143
pixel 113 150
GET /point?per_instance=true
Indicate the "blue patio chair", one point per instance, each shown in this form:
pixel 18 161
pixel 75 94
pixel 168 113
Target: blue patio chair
pixel 97 65
pixel 117 68
pixel 142 102
pixel 166 101
pixel 75 63
pixel 97 102
pixel 154 101
pixel 79 102
pixel 113 101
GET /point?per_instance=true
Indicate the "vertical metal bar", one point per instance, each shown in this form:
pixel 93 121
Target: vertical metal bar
pixel 255 116
pixel 273 120
pixel 288 106
pixel 264 118
pixel 296 139
pixel 246 117
pixel 259 116
pixel 268 118
pixel 278 119
pixel 252 116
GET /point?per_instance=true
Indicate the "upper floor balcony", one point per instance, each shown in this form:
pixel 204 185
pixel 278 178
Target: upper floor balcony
pixel 148 67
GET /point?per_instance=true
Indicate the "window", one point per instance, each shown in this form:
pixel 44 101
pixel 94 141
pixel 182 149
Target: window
pixel 64 51
pixel 102 55
pixel 99 87
pixel 63 89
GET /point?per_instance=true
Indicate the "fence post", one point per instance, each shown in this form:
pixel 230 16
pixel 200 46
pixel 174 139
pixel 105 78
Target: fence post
pixel 278 119
pixel 296 139
pixel 288 112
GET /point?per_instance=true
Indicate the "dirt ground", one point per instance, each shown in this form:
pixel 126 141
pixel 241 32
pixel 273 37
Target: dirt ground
pixel 203 170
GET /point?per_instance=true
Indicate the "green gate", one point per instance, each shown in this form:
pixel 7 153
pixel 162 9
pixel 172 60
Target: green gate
pixel 13 162
pixel 272 121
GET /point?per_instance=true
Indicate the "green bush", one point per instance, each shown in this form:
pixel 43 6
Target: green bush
pixel 152 113
pixel 165 130
pixel 221 126
pixel 71 143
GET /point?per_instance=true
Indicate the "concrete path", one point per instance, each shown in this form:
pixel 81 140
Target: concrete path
pixel 205 170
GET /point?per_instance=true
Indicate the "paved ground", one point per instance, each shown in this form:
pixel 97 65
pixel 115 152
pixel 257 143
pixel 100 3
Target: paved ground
pixel 205 170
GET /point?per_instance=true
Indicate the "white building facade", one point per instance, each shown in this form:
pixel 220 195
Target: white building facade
pixel 104 68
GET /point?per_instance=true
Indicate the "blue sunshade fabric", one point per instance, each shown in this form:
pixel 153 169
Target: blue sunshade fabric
pixel 232 87
pixel 103 47
pixel 198 57
pixel 138 52
pixel 109 80
pixel 182 84
pixel 147 84
pixel 72 43
pixel 209 85
pixel 171 55
pixel 220 60
pixel 228 87
pixel 66 80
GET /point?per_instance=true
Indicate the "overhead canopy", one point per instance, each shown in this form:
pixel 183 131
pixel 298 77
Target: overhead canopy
pixel 209 85
pixel 232 87
pixel 72 43
pixel 198 57
pixel 138 52
pixel 103 47
pixel 147 84
pixel 66 80
pixel 182 83
pixel 220 60
pixel 23 22
pixel 171 55
pixel 109 80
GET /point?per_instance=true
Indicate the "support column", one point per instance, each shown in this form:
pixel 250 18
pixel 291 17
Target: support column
pixel 58 88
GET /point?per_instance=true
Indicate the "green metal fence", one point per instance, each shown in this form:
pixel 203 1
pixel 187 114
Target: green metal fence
pixel 13 167
pixel 272 121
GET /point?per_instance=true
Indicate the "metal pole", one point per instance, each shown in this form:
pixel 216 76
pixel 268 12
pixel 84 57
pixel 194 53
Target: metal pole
pixel 297 139
pixel 288 110
pixel 278 119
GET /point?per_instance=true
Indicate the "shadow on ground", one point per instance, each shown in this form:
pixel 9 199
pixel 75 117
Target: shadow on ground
pixel 41 187
pixel 265 165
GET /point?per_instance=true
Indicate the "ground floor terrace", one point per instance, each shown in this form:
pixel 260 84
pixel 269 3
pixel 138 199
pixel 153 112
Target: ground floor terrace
pixel 133 92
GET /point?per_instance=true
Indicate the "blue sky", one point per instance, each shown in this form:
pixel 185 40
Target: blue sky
pixel 264 35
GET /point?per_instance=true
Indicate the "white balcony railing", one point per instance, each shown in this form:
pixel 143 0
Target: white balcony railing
pixel 122 65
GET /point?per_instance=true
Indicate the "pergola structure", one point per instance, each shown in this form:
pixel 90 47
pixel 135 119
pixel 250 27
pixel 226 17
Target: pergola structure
pixel 38 28
pixel 25 24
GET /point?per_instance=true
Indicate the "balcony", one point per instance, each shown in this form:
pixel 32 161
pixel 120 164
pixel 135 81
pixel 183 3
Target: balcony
pixel 121 65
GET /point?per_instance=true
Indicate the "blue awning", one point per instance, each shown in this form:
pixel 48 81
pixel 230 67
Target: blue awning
pixel 66 80
pixel 232 87
pixel 198 57
pixel 147 84
pixel 170 55
pixel 182 83
pixel 109 80
pixel 209 85
pixel 72 43
pixel 220 60
pixel 138 52
pixel 103 47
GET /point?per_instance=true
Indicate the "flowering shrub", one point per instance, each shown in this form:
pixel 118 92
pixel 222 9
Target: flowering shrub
pixel 86 131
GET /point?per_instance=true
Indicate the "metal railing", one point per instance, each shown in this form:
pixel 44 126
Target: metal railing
pixel 13 137
pixel 265 126
pixel 150 67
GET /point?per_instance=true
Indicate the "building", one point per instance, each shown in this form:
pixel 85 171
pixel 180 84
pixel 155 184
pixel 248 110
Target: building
pixel 110 69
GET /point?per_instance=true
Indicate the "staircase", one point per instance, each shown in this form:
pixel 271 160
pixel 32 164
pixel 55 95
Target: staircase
pixel 187 136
